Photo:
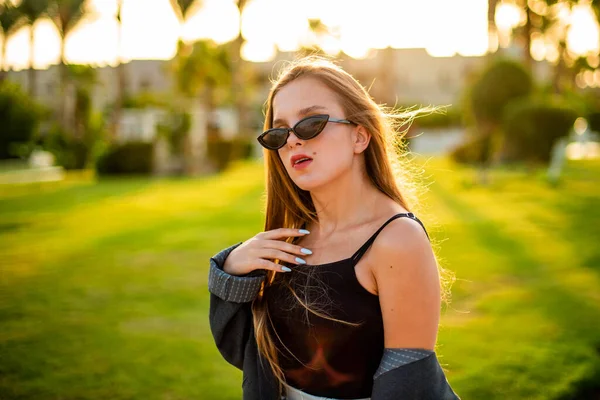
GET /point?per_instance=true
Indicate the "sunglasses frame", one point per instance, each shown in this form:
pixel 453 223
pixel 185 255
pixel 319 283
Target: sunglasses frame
pixel 293 129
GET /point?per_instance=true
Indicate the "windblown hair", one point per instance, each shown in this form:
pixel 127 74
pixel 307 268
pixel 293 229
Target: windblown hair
pixel 288 206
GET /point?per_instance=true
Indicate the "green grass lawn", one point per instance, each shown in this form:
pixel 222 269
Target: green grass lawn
pixel 103 284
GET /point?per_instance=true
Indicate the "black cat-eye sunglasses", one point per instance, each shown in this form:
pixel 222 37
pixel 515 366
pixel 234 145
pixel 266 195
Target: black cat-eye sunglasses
pixel 306 128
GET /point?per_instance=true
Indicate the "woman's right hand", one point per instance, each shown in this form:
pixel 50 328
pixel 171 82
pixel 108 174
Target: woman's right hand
pixel 259 251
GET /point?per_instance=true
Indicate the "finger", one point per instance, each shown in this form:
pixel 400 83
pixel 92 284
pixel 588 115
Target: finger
pixel 266 264
pixel 283 256
pixel 287 247
pixel 282 233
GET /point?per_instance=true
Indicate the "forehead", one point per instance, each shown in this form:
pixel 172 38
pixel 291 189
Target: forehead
pixel 301 94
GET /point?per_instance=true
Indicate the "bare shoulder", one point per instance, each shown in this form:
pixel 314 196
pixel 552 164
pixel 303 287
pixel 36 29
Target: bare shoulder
pixel 401 248
pixel 402 235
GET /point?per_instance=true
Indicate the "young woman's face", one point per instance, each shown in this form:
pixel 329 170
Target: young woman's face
pixel 331 151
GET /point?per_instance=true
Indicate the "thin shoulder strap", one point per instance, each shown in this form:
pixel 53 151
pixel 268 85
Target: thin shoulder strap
pixel 360 252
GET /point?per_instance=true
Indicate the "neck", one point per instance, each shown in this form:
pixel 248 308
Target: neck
pixel 348 201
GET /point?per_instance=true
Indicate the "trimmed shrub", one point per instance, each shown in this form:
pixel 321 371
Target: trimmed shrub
pixel 531 128
pixel 19 118
pixel 500 83
pixel 128 158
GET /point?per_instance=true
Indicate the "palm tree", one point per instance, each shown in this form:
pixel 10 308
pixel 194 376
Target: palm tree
pixel 32 10
pixel 10 22
pixel 199 72
pixel 84 77
pixel 65 14
pixel 493 29
pixel 240 72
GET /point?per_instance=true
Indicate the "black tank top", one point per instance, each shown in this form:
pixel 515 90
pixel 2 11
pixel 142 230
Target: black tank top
pixel 330 359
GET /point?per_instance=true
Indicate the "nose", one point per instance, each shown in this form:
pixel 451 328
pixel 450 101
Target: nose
pixel 292 139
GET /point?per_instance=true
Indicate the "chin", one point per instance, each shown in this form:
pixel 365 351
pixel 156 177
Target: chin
pixel 310 183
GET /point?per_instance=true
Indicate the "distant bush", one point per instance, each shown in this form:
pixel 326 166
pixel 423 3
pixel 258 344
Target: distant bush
pixel 594 121
pixel 531 128
pixel 222 151
pixel 69 152
pixel 19 118
pixel 127 158
pixel 475 150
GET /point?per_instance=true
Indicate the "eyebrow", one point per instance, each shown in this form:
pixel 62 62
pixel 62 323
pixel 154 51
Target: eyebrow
pixel 303 112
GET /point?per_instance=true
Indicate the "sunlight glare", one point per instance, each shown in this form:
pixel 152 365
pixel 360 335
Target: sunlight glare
pixel 443 43
pixel 102 52
pixel 441 27
pixel 507 16
pixel 216 19
pixel 583 31
pixel 258 51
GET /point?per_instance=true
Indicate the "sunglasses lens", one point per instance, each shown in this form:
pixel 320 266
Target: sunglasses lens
pixel 311 127
pixel 274 138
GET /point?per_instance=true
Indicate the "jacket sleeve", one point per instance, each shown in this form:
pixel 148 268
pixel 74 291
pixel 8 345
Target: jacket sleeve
pixel 230 314
pixel 411 374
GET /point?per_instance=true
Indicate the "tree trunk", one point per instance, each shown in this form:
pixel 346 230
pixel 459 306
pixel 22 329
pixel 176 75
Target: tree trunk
pixel 32 72
pixel 3 64
pixel 492 30
pixel 121 81
pixel 238 78
pixel 527 30
pixel 118 111
pixel 560 69
pixel 62 102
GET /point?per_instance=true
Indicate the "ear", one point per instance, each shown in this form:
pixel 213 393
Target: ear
pixel 361 139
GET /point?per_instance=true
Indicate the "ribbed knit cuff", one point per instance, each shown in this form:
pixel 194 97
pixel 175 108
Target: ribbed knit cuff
pixel 394 358
pixel 237 289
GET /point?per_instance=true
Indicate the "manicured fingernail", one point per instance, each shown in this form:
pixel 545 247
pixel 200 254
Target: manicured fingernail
pixel 305 251
pixel 304 231
pixel 286 269
pixel 299 260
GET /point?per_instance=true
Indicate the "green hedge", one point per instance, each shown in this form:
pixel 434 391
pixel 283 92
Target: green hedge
pixel 222 151
pixel 531 128
pixel 128 158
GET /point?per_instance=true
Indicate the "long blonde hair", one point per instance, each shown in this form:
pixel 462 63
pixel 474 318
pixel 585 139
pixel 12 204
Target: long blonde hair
pixel 291 207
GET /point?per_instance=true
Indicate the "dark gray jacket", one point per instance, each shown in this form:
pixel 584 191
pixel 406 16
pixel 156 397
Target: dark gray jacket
pixel 419 377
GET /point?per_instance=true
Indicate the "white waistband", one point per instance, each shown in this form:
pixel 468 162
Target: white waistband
pixel 294 394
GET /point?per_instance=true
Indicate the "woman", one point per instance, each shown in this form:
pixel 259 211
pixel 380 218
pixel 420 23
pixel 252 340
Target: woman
pixel 315 307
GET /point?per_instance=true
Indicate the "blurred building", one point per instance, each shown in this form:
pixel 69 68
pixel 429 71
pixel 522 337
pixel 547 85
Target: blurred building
pixel 405 76
pixel 142 76
pixel 411 75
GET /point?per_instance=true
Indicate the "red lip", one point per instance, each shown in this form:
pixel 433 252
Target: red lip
pixel 297 157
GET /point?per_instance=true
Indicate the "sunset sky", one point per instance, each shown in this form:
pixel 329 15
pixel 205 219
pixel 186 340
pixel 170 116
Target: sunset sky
pixel 150 29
